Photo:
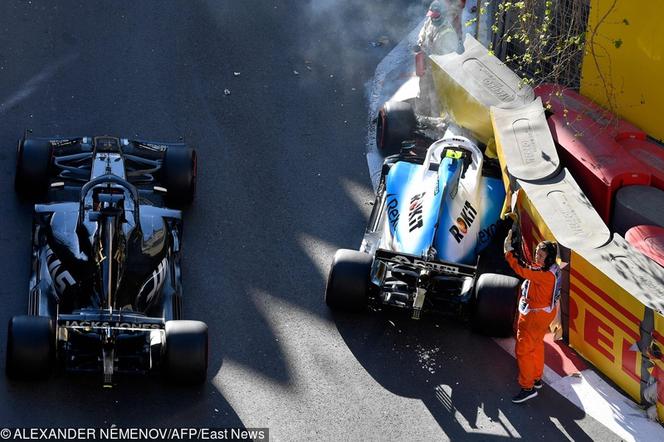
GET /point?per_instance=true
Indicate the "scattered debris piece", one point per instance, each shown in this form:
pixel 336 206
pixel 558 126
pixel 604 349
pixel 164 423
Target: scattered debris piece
pixel 296 72
pixel 236 74
pixel 227 92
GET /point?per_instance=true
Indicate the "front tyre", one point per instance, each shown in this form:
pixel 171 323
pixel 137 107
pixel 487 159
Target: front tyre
pixel 179 175
pixel 33 159
pixel 186 352
pixel 396 124
pixel 30 347
pixel 496 298
pixel 348 283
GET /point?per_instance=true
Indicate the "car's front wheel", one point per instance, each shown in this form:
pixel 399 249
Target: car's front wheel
pixel 496 298
pixel 179 175
pixel 348 282
pixel 396 123
pixel 33 158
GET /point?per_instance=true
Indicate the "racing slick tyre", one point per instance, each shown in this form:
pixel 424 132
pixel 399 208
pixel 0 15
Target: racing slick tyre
pixel 186 352
pixel 33 158
pixel 496 298
pixel 396 123
pixel 348 282
pixel 180 168
pixel 30 347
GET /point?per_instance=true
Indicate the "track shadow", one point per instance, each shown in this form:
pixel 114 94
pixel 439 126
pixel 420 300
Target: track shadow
pixel 465 380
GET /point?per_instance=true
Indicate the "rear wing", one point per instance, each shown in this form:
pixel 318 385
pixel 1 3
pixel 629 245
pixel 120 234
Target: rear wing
pixel 419 262
pixel 114 321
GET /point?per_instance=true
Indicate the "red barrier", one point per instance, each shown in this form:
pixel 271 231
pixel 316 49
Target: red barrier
pixel 648 240
pixel 561 98
pixel 585 135
pixel 648 153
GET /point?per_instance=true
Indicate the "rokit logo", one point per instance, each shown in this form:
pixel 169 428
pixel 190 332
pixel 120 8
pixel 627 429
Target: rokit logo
pixel 392 211
pixel 415 212
pixel 463 222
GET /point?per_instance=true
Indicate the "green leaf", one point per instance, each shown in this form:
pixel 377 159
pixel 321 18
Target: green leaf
pixel 617 43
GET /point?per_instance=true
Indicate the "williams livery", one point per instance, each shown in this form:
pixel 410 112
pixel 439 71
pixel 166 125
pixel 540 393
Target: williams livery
pixel 438 206
pixel 436 214
pixel 105 286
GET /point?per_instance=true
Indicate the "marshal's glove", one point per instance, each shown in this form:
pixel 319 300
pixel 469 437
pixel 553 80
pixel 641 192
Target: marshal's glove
pixel 507 245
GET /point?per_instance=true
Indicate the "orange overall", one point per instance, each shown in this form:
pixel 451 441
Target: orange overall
pixel 532 327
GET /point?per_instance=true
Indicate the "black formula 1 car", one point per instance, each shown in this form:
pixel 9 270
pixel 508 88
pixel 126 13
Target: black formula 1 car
pixel 105 285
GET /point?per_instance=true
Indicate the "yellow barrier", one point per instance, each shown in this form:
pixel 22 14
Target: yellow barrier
pixel 615 295
pixel 604 325
pixel 658 369
pixel 468 84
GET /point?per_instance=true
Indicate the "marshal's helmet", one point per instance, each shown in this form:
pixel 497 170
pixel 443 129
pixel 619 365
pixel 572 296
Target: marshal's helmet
pixel 436 11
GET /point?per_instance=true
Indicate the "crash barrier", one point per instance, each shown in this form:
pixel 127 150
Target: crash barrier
pixel 526 141
pixel 616 318
pixel 613 296
pixel 586 136
pixel 470 83
pixel 648 240
pixel 569 215
pixel 637 205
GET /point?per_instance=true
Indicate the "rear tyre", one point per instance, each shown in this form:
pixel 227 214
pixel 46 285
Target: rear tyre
pixel 496 298
pixel 33 158
pixel 396 123
pixel 348 282
pixel 186 352
pixel 180 170
pixel 30 347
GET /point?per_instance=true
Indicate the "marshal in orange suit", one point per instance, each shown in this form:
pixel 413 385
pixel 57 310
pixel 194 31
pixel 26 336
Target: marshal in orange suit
pixel 537 308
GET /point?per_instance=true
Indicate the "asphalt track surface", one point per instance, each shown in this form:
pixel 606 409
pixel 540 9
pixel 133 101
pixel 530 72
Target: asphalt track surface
pixel 283 182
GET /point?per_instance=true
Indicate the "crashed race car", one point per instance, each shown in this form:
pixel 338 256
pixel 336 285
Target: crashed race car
pixel 105 292
pixel 436 216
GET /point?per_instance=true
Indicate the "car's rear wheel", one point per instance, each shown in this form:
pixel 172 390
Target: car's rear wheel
pixel 396 123
pixel 33 158
pixel 30 347
pixel 496 298
pixel 186 352
pixel 348 283
pixel 179 176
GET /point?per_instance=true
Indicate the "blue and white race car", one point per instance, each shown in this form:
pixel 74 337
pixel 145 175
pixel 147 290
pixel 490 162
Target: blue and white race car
pixel 436 211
